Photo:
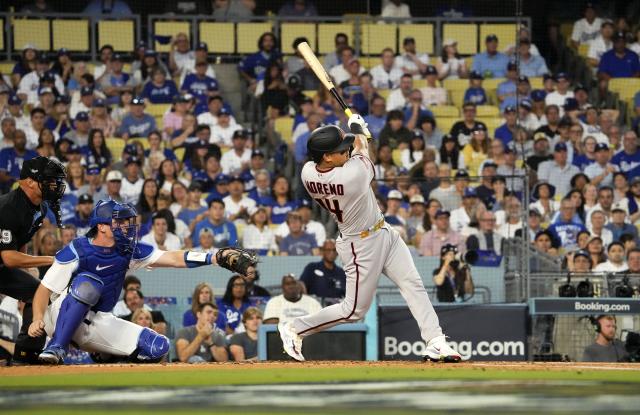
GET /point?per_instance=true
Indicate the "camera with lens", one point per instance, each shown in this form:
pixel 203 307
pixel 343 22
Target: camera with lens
pixel 469 257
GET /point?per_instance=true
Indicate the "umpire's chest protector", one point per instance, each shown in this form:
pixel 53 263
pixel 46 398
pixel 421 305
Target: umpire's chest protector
pixel 105 263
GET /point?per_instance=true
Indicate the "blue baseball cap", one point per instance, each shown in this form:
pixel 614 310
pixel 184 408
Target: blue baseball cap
pixel 570 104
pixel 538 95
pixel 15 100
pixel 130 149
pixel 99 103
pixel 476 75
pixel 442 212
pixel 526 103
pixel 202 46
pixel 470 192
pixel 601 147
pixel 560 147
pixel 224 111
pixel 305 203
pixel 93 169
pixel 222 179
pixel 137 101
pixel 561 75
pixel 509 108
pixel 82 116
pixel 86 90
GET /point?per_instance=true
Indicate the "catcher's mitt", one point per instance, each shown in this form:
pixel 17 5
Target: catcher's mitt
pixel 237 260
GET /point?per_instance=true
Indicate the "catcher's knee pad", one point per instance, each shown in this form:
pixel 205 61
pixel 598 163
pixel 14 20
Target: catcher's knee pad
pixel 87 288
pixel 151 345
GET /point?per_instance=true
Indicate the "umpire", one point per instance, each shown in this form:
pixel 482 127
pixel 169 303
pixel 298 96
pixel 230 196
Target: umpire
pixel 41 185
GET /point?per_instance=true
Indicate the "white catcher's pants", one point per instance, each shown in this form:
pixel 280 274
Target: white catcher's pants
pixel 364 259
pixel 106 333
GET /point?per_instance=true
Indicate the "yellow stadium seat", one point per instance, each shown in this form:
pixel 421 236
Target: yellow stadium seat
pixel 376 37
pixel 170 28
pixel 1 35
pixel 419 83
pixel 455 84
pixel 396 154
pixel 157 109
pixel 219 36
pixel 445 123
pixel 536 83
pixel 118 33
pixel 466 34
pixel 310 93
pixel 369 62
pixel 444 111
pixel 492 123
pixel 422 33
pixel 71 34
pixel 289 31
pixel 566 29
pixel 240 229
pixel 116 146
pixel 284 126
pixel 492 83
pixel 625 87
pixel 179 152
pixel 248 35
pixel 487 111
pixel 36 32
pixel 6 67
pixel 506 33
pixel 384 93
pixel 457 97
pixel 143 141
pixel 327 33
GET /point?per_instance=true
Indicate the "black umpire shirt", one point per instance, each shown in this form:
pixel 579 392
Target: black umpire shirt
pixel 19 220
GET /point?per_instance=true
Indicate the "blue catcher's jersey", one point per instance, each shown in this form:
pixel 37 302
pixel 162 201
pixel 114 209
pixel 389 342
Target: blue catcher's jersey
pixel 106 263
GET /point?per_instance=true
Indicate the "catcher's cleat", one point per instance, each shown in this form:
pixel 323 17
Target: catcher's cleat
pixel 52 355
pixel 439 351
pixel 291 342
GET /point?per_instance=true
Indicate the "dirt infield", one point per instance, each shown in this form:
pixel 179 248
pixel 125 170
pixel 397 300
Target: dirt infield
pixel 168 367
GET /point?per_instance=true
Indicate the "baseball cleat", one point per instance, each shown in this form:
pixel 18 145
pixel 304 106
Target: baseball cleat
pixel 52 355
pixel 291 342
pixel 439 351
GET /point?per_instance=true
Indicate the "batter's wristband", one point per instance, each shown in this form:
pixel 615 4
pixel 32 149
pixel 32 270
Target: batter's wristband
pixel 197 259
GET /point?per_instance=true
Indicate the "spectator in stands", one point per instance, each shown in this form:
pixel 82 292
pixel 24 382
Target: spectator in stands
pixel 386 75
pixel 114 8
pixel 475 93
pixel 159 90
pixel 142 317
pixel 37 117
pixel 530 65
pixel 410 62
pixel 332 59
pixel 298 8
pixel 432 94
pixel 148 199
pixel 132 183
pixel 491 63
pixel 620 186
pixel 434 239
pixel 450 64
pixel 561 94
pixel 290 304
pixel 7 131
pixel 112 189
pixel 131 282
pixel 100 119
pixel 224 232
pixel 134 300
pixel 325 279
pixel 273 90
pixel 202 293
pixel 11 159
pixel 505 132
pixel 564 229
pixel 399 97
pixel 601 44
pixel 237 206
pixel 507 88
pixel 160 237
pixel 253 67
pixel 415 110
pixel 512 217
pixel 462 129
pixel 179 198
pixel 595 247
pixel 596 226
pixel 257 235
pixel 605 203
pixel 606 347
pixel 261 193
pixel 244 346
pixel 80 135
pixel 194 211
pixel 415 219
pixel 311 226
pixel 557 171
pixel 619 62
pixel 487 238
pixel 601 172
pixel 233 304
pixel 394 133
pixel 201 342
pixel 298 242
pixel 377 116
pixel 223 133
pixel 413 154
pixel 543 195
pixel 25 64
pixel 629 157
pixel 180 54
pixel 341 73
pixel 586 29
pixel 615 259
pixel 232 10
pixel 618 225
pixel 476 151
pixel 205 89
pixel 445 193
pixel 450 154
pixel 80 221
pixel 115 80
pixel 84 102
pixel 137 123
pixel 29 86
pixel 453 277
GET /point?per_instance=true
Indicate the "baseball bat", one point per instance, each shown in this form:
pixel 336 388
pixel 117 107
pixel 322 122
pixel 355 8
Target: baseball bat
pixel 323 76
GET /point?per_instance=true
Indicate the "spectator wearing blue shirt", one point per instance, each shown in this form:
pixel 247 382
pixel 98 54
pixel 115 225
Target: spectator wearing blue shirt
pixel 194 210
pixel 377 116
pixel 261 193
pixel 523 90
pixel 298 242
pixel 82 214
pixel 253 67
pixel 300 146
pixel 531 65
pixel 507 89
pixel 11 159
pixel 231 306
pixel 200 86
pixel 491 64
pixel 305 109
pixel 629 157
pixel 325 279
pixel 159 90
pixel 282 200
pixel 224 232
pixel 505 132
pixel 415 110
pixel 475 93
pixel 137 123
pixel 565 230
pixel 619 62
pixel 114 81
pixel 113 8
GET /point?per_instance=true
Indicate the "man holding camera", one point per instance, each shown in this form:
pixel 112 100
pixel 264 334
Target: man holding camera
pixel 453 277
pixel 606 348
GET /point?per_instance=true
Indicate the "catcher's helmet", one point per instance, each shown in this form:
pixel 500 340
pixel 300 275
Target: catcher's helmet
pixel 328 139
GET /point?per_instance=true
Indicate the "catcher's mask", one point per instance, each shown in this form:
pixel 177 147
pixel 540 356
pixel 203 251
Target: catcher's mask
pixel 122 219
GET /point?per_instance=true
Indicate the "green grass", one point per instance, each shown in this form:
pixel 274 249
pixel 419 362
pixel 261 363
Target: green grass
pixel 254 374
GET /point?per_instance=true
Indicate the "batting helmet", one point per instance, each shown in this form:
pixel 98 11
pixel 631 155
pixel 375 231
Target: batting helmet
pixel 328 139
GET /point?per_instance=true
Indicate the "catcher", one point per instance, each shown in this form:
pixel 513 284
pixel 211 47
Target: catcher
pixel 85 280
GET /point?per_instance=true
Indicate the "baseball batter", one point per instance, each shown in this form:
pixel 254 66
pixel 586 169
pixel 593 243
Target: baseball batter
pixel 340 183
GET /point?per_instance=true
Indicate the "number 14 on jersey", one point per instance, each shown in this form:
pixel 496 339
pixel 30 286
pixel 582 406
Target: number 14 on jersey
pixel 335 209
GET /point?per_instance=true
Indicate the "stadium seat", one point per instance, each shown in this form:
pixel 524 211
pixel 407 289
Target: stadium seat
pixel 492 83
pixel 179 152
pixel 376 37
pixel 240 230
pixel 327 33
pixel 7 67
pixel 118 33
pixel 583 50
pixel 455 84
pixel 419 83
pixel 369 62
pixel 71 34
pixel 143 141
pixel 1 35
pixel 487 111
pixel 506 33
pixel 625 87
pixel 422 33
pixel 284 126
pixel 289 31
pixel 537 82
pixel 444 111
pixel 384 93
pixel 219 36
pixel 310 93
pixel 157 110
pixel 457 97
pixel 115 146
pixel 466 34
pixel 169 28
pixel 445 123
pixel 248 35
pixel 491 123
pixel 396 155
pixel 36 32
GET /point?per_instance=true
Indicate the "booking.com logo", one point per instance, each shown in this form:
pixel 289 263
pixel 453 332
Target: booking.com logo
pixel 393 347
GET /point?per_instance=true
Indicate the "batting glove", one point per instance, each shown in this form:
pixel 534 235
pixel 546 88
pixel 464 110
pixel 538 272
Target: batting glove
pixel 357 125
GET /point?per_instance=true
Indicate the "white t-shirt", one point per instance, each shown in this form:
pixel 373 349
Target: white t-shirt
pixel 405 63
pixel 608 266
pixel 555 98
pixel 459 219
pixel 594 169
pixel 254 239
pixel 231 162
pixel 433 96
pixel 130 192
pixel 223 135
pixel 284 310
pixel 398 11
pixel 232 208
pixel 598 47
pixel 382 78
pixel 313 227
pixel 339 74
pixel 30 83
pixel 585 32
pixel 346 193
pixel 395 100
pixel 121 309
pixel 451 69
pixel 171 243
